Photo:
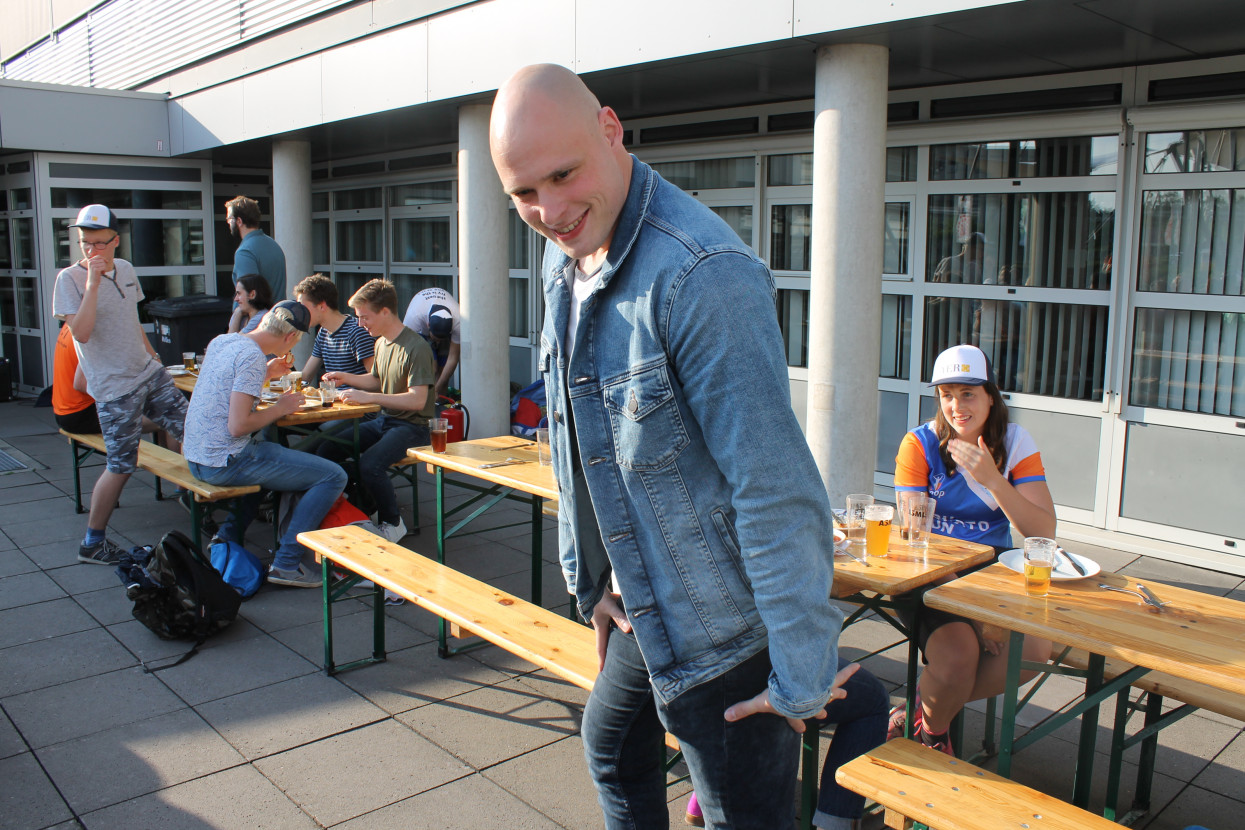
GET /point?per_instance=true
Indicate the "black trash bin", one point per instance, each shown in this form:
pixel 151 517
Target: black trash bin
pixel 187 324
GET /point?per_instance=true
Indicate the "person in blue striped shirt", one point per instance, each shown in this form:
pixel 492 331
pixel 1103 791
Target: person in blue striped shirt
pixel 342 345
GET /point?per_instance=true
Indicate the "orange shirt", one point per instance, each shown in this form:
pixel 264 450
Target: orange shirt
pixel 65 399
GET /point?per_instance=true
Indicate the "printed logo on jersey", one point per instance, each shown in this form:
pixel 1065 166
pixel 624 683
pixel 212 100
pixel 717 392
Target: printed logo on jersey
pixel 935 485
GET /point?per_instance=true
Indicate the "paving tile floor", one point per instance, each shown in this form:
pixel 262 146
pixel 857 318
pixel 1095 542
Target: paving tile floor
pixel 250 733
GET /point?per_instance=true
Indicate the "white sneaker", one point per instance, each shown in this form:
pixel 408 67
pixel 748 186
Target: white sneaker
pixel 393 533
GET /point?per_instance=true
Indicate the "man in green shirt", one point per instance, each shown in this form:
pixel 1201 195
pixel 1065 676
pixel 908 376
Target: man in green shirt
pixel 401 383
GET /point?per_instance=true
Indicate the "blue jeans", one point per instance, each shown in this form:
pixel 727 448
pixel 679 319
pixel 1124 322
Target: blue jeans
pixel 861 721
pixel 278 468
pixel 382 441
pixel 744 772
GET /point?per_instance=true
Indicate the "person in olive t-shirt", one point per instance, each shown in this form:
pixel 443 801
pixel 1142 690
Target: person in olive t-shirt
pixel 401 382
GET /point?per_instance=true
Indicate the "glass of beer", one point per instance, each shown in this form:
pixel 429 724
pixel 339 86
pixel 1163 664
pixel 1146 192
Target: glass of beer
pixel 855 528
pixel 438 429
pixel 878 529
pixel 188 361
pixel 1039 562
pixel 296 381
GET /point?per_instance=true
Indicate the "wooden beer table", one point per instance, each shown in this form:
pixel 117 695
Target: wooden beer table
pixel 1195 636
pixel 526 481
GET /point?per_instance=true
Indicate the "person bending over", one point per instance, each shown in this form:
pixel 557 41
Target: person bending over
pixel 223 445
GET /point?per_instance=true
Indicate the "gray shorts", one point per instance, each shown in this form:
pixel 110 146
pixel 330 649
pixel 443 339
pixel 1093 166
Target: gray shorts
pixel 121 420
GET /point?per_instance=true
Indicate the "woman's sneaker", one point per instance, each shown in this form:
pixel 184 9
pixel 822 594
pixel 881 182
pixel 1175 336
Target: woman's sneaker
pixel 940 741
pixel 103 552
pixel 899 719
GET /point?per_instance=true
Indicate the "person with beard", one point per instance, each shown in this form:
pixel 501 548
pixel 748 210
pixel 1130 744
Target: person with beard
pixel 258 252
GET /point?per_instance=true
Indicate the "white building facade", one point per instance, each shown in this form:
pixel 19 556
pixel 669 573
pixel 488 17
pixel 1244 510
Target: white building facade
pixel 1061 183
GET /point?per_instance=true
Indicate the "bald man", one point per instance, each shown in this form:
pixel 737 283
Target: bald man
pixel 694 536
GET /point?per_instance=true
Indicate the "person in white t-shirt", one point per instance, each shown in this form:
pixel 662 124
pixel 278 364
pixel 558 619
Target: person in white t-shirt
pixel 434 315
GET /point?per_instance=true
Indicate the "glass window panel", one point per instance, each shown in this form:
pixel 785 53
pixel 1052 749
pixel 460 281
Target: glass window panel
pixel 32 361
pixel 408 285
pixel 794 169
pixel 21 198
pixel 892 426
pixel 6 254
pixel 23 243
pixel 901 164
pixel 1025 158
pixel 895 238
pixel 790 237
pixel 4 199
pixel 27 302
pixel 793 320
pixel 739 217
pixel 1192 361
pixel 76 197
pixel 519 242
pixel 320 241
pixel 362 199
pixel 423 193
pixel 1192 242
pixel 1043 240
pixel 359 241
pixel 426 239
pixel 1196 151
pixel 8 303
pixel 348 282
pixel 709 174
pixel 67 249
pixel 1036 348
pixel 896 336
pixel 155 242
pixel 518 307
pixel 319 202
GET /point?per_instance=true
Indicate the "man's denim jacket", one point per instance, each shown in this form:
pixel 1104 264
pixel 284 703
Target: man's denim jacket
pixel 712 511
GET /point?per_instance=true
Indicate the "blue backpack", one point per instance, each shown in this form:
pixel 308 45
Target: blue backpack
pixel 240 569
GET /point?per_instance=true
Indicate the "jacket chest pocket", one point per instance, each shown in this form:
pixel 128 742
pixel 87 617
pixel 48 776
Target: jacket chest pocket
pixel 644 416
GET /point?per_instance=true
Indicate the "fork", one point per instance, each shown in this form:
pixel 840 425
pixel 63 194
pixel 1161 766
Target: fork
pixel 1157 606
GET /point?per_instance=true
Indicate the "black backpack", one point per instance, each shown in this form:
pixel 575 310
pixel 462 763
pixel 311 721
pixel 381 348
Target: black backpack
pixel 183 596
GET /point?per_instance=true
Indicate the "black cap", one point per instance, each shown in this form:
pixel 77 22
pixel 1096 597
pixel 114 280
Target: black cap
pixel 294 313
pixel 440 322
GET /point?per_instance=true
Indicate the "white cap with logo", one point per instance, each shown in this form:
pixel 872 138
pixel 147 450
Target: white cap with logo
pixel 962 364
pixel 96 218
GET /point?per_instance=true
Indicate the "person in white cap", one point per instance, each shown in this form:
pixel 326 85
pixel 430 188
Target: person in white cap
pixel 98 299
pixel 986 475
pixel 433 314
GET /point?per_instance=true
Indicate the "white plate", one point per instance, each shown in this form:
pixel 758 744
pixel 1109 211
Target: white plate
pixel 177 371
pixel 312 404
pixel 1015 559
pixel 840 539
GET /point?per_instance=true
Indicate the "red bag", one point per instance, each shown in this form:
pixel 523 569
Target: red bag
pixel 342 513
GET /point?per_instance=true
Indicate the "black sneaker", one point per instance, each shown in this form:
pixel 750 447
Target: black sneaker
pixel 103 552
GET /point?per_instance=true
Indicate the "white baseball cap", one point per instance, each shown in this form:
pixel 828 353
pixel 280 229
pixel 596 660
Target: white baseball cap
pixel 962 364
pixel 96 218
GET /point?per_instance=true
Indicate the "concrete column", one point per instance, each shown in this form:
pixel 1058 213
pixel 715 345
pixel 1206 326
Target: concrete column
pixel 483 278
pixel 291 218
pixel 845 302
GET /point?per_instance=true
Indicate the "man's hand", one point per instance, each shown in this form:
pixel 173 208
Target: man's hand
pixel 277 367
pixel 288 402
pixel 355 396
pixel 95 268
pixel 761 704
pixel 606 613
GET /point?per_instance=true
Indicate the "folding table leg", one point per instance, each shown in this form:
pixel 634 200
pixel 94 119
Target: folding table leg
pixel 1089 732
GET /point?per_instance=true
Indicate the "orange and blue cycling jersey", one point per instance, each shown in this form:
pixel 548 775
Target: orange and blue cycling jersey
pixel 965 510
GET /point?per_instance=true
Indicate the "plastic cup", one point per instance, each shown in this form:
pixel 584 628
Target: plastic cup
pixel 438 430
pixel 1039 562
pixel 543 454
pixel 878 519
pixel 328 392
pixel 916 518
pixel 855 528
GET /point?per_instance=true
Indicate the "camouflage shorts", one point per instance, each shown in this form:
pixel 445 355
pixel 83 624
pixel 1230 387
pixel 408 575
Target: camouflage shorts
pixel 121 420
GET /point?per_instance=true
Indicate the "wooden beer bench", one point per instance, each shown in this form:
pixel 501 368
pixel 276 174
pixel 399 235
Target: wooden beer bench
pixel 557 644
pixel 165 465
pixel 916 784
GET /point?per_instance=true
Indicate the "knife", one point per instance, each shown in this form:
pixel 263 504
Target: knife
pixel 1072 559
pixel 1158 603
pixel 505 463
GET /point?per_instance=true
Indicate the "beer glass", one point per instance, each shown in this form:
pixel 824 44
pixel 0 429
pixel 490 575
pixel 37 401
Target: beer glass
pixel 438 431
pixel 1039 562
pixel 878 519
pixel 855 529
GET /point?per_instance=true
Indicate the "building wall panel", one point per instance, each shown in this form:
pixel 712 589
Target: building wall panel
pixel 400 56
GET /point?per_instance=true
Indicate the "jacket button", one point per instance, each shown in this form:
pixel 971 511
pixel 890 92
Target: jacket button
pixel 557 416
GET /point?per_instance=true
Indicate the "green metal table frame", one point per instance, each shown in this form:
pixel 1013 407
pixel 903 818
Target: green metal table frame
pixel 486 496
pixel 1097 690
